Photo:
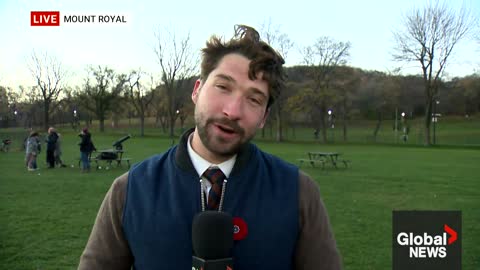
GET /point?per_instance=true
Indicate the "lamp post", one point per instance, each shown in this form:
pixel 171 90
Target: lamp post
pixel 434 120
pixel 404 128
pixel 330 122
pixel 395 136
pixel 15 117
pixel 75 119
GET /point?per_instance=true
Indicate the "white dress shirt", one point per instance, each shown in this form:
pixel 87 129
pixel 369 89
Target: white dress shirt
pixel 201 165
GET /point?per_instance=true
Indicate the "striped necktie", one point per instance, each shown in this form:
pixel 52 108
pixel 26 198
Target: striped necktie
pixel 216 177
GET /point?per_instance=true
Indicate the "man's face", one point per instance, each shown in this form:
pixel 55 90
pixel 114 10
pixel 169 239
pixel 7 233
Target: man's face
pixel 229 108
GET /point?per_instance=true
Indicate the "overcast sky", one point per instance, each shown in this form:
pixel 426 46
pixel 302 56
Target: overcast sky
pixel 367 24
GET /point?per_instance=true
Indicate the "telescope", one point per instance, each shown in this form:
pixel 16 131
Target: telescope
pixel 118 144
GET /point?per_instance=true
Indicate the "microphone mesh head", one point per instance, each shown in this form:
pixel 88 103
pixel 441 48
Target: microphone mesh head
pixel 212 235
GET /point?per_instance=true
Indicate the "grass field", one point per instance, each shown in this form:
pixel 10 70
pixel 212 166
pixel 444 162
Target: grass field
pixel 46 216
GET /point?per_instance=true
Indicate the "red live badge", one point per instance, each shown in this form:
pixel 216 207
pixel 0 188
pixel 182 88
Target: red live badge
pixel 44 18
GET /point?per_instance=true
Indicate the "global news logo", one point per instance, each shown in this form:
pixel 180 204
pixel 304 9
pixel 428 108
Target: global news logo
pixel 428 246
pixel 426 240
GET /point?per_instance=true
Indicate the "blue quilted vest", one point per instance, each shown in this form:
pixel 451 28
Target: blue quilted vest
pixel 163 195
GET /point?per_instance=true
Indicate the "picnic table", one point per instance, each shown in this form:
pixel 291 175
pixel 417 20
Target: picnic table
pixel 110 156
pixel 320 158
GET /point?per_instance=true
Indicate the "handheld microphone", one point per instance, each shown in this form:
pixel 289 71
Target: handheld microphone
pixel 212 239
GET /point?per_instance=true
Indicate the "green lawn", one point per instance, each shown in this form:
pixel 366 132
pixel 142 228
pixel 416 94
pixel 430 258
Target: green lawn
pixel 46 216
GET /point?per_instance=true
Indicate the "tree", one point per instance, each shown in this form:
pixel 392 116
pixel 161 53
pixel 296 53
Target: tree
pixel 324 56
pixel 160 107
pixel 428 37
pixel 4 104
pixel 283 44
pixel 140 96
pixel 100 96
pixel 464 95
pixel 49 75
pixel 32 104
pixel 345 85
pixel 178 62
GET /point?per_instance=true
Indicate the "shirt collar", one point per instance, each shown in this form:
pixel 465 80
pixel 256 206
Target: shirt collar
pixel 201 165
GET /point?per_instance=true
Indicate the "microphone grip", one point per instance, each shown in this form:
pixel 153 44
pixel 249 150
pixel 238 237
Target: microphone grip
pixel 217 264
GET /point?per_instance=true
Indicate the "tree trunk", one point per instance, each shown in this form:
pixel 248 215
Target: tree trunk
pixel 344 119
pixel 279 124
pixel 428 121
pixel 377 127
pixel 142 125
pixel 323 123
pixel 46 108
pixel 172 126
pixel 102 124
pixel 182 124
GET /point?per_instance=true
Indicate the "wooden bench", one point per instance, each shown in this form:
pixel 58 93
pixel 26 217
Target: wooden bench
pixel 125 160
pixel 110 161
pixel 345 162
pixel 312 162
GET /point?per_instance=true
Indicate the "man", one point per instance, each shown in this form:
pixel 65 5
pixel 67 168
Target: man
pixel 86 149
pixel 146 217
pixel 51 140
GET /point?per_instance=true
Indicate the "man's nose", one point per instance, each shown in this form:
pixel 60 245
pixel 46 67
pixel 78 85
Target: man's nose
pixel 233 108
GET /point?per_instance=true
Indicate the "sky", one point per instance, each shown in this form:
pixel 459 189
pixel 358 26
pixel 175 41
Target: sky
pixel 368 25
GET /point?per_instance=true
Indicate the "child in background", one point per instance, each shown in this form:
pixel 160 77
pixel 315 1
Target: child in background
pixel 32 151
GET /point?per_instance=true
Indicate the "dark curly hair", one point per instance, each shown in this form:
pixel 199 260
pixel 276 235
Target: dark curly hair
pixel 247 42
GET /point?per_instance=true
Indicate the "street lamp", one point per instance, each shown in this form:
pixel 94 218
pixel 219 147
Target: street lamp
pixel 330 122
pixel 15 117
pixel 404 128
pixel 75 119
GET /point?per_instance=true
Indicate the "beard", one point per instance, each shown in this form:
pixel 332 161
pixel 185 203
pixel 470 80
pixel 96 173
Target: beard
pixel 216 144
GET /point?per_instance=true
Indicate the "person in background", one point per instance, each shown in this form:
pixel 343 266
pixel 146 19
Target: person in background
pixel 145 220
pixel 58 152
pixel 51 140
pixel 32 150
pixel 86 149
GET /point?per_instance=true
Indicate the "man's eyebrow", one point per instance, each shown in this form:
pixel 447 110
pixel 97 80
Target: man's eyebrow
pixel 251 89
pixel 225 77
pixel 257 91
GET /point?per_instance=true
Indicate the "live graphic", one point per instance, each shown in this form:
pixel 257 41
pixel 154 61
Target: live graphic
pixel 55 18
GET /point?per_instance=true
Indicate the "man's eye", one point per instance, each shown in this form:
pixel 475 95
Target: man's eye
pixel 221 86
pixel 255 101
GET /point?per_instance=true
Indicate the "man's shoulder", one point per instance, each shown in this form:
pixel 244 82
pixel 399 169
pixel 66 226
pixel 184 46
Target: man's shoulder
pixel 271 158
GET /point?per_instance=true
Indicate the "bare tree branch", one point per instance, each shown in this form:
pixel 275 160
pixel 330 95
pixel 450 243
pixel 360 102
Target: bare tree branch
pixel 178 62
pixel 49 75
pixel 139 95
pixel 324 57
pixel 428 37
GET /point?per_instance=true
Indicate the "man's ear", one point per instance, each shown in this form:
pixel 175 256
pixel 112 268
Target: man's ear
pixel 265 116
pixel 196 90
